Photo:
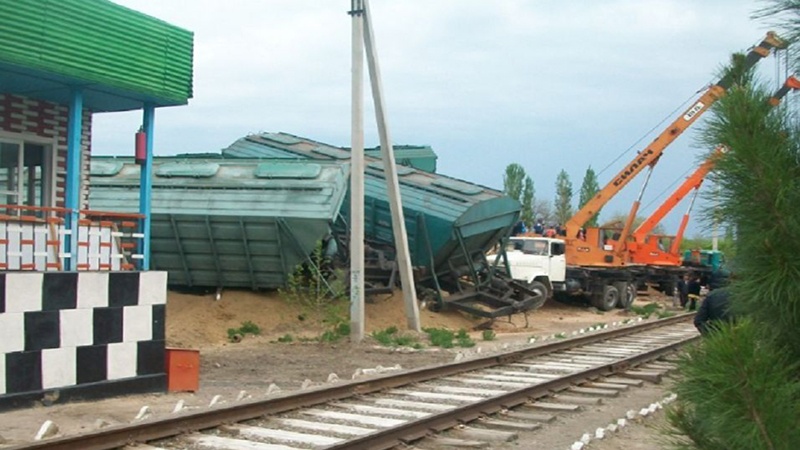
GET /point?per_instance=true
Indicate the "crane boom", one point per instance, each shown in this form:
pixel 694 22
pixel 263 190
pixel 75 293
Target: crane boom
pixel 650 155
pixel 692 182
pixel 646 252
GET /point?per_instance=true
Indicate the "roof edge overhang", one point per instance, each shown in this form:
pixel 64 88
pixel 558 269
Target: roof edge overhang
pixel 58 88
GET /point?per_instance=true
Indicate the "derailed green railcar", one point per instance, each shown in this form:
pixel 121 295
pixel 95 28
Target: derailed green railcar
pixel 451 225
pixel 227 223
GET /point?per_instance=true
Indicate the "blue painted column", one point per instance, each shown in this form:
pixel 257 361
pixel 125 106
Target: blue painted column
pixel 146 186
pixel 72 199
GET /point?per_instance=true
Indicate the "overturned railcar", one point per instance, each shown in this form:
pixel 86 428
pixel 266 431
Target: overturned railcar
pixel 451 225
pixel 228 223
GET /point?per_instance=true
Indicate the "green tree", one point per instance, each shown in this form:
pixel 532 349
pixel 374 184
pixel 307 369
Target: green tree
pixel 543 209
pixel 589 189
pixel 513 181
pixel 741 386
pixel 563 202
pixel 528 193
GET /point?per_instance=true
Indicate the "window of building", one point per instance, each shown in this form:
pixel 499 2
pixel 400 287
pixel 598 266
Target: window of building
pixel 26 175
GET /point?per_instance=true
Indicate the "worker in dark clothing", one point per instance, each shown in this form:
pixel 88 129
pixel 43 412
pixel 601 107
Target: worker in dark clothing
pixel 519 229
pixel 683 290
pixel 715 308
pixel 693 291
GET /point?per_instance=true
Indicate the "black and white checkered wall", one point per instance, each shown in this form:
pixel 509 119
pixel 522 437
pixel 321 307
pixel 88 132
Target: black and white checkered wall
pixel 92 334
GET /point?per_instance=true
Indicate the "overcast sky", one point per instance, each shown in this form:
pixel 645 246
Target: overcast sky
pixel 549 85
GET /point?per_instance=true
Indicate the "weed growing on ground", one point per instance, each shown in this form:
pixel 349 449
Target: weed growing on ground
pixel 390 337
pixel 489 335
pixel 322 293
pixel 338 332
pixel 463 339
pixel 385 336
pixel 645 311
pixel 561 336
pixel 248 327
pixel 664 314
pixel 286 338
pixel 442 337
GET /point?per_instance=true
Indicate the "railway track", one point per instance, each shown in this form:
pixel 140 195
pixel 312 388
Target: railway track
pixel 402 408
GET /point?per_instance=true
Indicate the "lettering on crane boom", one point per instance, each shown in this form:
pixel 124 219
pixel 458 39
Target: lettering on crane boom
pixel 634 165
pixel 693 111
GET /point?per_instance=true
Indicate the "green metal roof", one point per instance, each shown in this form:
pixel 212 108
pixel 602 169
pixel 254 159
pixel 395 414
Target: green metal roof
pixel 120 58
pixel 285 145
pixel 420 157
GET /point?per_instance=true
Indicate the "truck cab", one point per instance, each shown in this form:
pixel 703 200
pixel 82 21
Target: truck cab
pixel 535 260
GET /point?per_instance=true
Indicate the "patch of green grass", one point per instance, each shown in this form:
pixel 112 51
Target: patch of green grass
pixel 463 339
pixel 329 336
pixel 248 327
pixel 664 314
pixel 286 338
pixel 440 337
pixel 405 341
pixel 385 337
pixel 391 337
pixel 336 334
pixel 561 336
pixel 645 311
pixel 489 335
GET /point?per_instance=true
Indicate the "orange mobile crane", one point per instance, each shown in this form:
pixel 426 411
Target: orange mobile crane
pixel 664 250
pixel 597 263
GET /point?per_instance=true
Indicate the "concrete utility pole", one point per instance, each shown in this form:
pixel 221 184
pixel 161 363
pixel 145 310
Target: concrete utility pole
pixel 403 257
pixel 357 176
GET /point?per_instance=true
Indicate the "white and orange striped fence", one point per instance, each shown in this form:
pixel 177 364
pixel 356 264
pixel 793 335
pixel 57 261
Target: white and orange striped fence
pixel 34 238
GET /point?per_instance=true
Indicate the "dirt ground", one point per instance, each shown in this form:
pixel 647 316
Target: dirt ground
pixel 248 368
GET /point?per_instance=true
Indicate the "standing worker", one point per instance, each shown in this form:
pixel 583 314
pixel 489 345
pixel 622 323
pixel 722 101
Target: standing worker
pixel 683 290
pixel 714 309
pixel 693 291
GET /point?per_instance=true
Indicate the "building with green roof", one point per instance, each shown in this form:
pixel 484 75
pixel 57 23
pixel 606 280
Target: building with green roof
pixel 82 315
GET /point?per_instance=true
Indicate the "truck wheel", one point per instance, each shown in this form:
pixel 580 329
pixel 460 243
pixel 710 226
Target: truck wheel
pixel 608 300
pixel 627 294
pixel 538 287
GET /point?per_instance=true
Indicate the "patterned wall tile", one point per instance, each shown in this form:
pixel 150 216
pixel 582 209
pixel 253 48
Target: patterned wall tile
pixel 13 327
pixel 59 291
pixel 23 372
pixel 123 289
pixel 77 327
pixel 122 360
pixel 2 293
pixel 137 323
pixel 92 290
pixel 2 374
pixel 159 322
pixel 91 364
pixel 151 291
pixel 150 358
pixel 42 330
pixel 24 292
pixel 107 325
pixel 58 367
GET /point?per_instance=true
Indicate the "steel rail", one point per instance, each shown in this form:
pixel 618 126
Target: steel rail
pixel 162 428
pixel 417 429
